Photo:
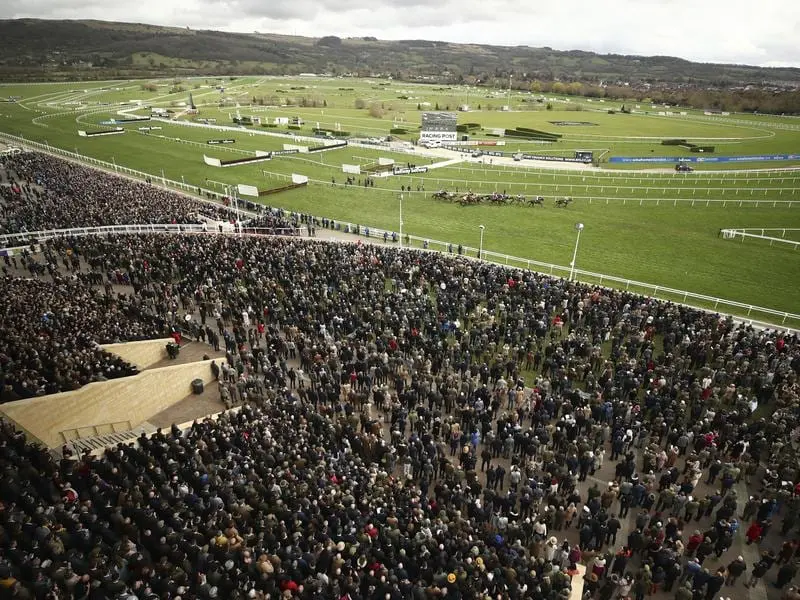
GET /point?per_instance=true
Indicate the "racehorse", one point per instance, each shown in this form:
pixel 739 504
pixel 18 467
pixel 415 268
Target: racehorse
pixel 536 201
pixel 563 202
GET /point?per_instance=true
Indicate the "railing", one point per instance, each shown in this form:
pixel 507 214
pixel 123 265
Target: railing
pixel 765 316
pixel 759 314
pixel 13 242
pixel 573 190
pixel 762 230
pixel 94 430
pixel 195 190
pixel 744 233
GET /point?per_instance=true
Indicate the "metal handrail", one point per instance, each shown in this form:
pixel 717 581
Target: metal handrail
pixel 95 430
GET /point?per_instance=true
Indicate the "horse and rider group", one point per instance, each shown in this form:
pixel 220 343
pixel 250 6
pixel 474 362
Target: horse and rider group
pixel 497 198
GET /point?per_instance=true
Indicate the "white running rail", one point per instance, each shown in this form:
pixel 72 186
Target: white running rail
pixel 767 317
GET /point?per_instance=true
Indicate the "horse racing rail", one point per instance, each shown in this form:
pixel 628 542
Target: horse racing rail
pixel 766 317
pixel 760 233
pixel 13 244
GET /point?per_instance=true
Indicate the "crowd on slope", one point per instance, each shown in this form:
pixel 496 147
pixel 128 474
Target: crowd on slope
pixel 51 193
pixel 50 331
pixel 394 444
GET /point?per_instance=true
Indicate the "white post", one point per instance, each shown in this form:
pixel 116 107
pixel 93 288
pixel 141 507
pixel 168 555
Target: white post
pixel 114 160
pixel 480 247
pixel 579 228
pixel 401 220
pixel 238 214
pixel 163 179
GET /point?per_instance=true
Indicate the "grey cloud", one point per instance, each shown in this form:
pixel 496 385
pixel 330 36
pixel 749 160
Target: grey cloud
pixel 711 30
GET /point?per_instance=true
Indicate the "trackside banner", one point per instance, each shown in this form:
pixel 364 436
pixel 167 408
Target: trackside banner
pixel 555 158
pixel 703 159
pixel 221 142
pixel 407 171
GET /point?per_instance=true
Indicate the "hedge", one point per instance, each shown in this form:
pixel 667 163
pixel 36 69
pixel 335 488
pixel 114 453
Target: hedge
pixel 673 142
pixel 539 132
pixel 398 131
pixel 531 135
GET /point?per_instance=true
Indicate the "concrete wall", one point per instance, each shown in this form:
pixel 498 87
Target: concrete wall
pixel 133 399
pixel 142 354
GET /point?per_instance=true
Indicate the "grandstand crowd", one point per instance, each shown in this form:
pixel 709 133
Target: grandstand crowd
pixel 50 193
pixel 411 425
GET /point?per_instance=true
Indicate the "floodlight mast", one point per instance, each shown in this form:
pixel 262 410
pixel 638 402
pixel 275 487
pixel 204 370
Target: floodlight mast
pixel 401 220
pixel 579 228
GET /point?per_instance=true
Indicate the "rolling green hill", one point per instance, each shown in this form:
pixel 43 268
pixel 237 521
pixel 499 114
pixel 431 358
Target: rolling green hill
pixel 32 50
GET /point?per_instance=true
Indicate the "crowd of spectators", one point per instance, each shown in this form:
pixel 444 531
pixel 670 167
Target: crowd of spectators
pixel 417 426
pixel 51 193
pixel 50 331
pixel 273 221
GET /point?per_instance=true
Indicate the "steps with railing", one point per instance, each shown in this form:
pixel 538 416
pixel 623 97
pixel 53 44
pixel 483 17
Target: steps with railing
pixel 100 442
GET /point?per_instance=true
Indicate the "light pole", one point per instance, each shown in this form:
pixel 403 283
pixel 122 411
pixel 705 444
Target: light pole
pixel 480 247
pixel 401 220
pixel 235 199
pixel 579 228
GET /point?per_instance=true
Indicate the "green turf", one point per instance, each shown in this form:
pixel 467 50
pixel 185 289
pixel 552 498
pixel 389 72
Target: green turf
pixel 657 227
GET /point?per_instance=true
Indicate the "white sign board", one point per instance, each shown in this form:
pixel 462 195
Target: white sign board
pixel 248 190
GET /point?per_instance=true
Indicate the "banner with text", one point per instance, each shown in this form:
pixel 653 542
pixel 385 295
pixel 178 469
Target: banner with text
pixel 409 170
pixel 703 159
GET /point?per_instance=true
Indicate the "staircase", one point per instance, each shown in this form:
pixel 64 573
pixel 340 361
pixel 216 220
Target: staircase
pixel 99 443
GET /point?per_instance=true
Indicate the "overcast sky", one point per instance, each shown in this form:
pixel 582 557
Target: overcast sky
pixel 765 32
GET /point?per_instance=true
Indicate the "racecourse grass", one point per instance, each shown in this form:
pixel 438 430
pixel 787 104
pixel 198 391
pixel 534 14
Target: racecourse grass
pixel 642 236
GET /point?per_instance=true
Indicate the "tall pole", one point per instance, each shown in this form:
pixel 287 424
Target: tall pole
pixel 480 248
pixel 238 213
pixel 401 220
pixel 579 228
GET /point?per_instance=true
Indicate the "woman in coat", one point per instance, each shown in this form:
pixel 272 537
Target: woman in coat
pixel 754 532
